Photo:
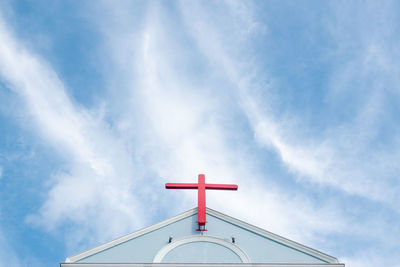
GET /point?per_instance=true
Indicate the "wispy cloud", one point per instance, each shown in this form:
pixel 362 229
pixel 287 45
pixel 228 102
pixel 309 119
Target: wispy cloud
pixel 96 184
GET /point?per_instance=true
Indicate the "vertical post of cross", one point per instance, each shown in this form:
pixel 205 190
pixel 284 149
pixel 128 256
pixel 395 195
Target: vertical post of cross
pixel 201 202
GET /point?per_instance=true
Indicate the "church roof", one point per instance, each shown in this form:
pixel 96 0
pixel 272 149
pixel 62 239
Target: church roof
pixel 226 241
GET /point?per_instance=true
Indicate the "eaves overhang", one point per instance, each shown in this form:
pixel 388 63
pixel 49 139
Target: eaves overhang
pixel 259 231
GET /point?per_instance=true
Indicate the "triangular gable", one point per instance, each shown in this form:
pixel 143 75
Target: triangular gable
pixel 246 242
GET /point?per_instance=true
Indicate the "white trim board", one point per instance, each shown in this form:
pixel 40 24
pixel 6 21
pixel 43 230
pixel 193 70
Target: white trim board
pixel 200 265
pixel 224 217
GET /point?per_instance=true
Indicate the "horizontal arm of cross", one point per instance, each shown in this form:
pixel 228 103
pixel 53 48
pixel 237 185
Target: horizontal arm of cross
pixel 181 186
pixel 207 186
pixel 221 186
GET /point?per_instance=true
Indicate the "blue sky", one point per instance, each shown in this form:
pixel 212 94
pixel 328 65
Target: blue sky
pixel 102 102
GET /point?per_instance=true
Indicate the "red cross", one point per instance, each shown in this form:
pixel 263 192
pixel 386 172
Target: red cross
pixel 202 186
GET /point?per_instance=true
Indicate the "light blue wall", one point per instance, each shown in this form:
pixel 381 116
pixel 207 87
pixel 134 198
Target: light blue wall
pixel 145 247
pixel 202 252
pixel 258 248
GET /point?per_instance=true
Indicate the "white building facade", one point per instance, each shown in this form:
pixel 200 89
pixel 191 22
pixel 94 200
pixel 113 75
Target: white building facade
pixel 227 242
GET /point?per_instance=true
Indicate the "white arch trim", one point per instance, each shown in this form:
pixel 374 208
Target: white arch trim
pixel 166 249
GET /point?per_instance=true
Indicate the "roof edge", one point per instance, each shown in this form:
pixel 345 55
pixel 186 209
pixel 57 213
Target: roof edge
pixel 274 237
pixel 127 237
pixel 277 238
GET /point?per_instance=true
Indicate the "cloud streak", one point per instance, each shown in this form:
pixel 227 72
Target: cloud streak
pixel 96 184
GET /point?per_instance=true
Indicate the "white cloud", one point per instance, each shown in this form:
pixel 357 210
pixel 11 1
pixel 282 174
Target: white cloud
pixel 329 161
pixel 97 184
